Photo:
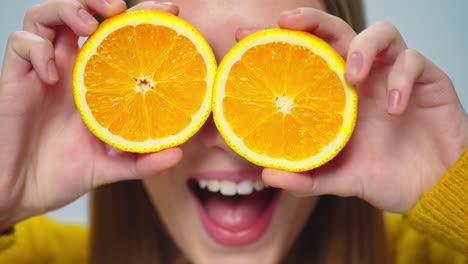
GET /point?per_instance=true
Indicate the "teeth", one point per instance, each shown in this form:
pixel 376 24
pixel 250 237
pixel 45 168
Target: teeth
pixel 245 187
pixel 230 188
pixel 203 183
pixel 213 185
pixel 259 185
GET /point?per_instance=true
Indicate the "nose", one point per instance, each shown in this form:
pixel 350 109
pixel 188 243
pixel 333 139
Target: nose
pixel 210 137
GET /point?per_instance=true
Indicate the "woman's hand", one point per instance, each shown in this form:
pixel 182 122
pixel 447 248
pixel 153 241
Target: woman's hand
pixel 48 156
pixel 411 127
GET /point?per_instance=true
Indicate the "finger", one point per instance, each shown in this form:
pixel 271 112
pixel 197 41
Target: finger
pixel 43 18
pixel 105 8
pixel 382 40
pixel 328 27
pixel 310 183
pixel 24 50
pixel 116 165
pixel 410 71
pixel 245 31
pixel 408 68
pixel 165 6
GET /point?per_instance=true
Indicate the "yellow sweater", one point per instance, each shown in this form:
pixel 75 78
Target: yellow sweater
pixel 434 231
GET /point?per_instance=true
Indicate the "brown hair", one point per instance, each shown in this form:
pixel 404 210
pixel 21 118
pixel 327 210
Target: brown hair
pixel 351 11
pixel 125 227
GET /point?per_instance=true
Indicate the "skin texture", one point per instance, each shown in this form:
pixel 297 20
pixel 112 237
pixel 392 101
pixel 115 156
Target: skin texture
pixel 411 127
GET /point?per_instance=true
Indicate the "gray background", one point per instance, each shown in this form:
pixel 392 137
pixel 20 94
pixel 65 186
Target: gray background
pixel 436 28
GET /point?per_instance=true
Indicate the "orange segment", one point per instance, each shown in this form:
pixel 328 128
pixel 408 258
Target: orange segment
pixel 280 100
pixel 132 123
pixel 186 96
pixel 184 63
pixel 165 118
pixel 102 76
pixel 147 37
pixel 326 94
pixel 299 143
pixel 106 104
pixel 270 63
pixel 307 68
pixel 143 81
pixel 243 83
pixel 323 126
pixel 121 57
pixel 263 141
pixel 237 111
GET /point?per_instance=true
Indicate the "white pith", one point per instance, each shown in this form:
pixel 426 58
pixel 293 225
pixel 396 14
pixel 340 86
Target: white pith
pixel 285 104
pixel 144 84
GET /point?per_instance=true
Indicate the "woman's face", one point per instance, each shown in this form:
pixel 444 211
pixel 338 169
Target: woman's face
pixel 209 225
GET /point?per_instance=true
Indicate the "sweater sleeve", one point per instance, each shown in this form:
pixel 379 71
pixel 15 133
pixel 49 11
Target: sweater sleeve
pixel 442 213
pixel 408 246
pixel 41 240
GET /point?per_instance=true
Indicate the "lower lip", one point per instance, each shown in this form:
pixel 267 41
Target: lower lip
pixel 244 237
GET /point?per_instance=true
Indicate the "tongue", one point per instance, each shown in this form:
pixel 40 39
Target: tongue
pixel 235 213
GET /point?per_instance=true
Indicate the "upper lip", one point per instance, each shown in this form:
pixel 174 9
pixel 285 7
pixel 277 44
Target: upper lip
pixel 229 175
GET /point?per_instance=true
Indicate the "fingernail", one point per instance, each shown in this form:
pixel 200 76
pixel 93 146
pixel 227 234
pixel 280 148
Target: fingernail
pixel 293 12
pixel 86 17
pixel 115 3
pixel 166 3
pixel 393 100
pixel 52 70
pixel 355 63
pixel 111 2
pixel 159 4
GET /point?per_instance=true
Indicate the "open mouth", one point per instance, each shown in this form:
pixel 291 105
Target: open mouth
pixel 234 213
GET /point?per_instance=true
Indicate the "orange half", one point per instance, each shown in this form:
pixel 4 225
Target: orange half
pixel 281 101
pixel 143 81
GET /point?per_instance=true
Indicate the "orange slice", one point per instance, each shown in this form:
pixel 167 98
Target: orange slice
pixel 281 101
pixel 143 81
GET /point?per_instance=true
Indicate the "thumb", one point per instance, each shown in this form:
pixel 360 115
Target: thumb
pixel 115 165
pixel 311 183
